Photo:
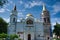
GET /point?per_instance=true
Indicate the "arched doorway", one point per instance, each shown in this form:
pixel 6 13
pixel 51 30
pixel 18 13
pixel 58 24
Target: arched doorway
pixel 29 36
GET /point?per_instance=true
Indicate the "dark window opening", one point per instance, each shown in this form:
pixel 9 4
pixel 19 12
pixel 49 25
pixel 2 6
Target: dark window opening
pixel 38 35
pixel 48 20
pixel 29 36
pixel 48 38
pixel 29 22
pixel 44 19
pixel 13 19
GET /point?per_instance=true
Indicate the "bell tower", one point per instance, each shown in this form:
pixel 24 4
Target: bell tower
pixel 13 21
pixel 13 16
pixel 46 22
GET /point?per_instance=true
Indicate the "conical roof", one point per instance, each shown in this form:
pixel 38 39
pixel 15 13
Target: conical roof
pixel 44 7
pixel 15 7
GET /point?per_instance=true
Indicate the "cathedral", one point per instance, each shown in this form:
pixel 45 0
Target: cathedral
pixel 30 28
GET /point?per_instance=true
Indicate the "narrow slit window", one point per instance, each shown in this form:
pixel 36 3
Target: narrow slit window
pixel 13 19
pixel 44 19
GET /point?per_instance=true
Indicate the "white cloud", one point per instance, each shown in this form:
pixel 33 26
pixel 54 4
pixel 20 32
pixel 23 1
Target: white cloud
pixel 11 2
pixel 27 5
pixel 5 7
pixel 33 3
pixel 20 14
pixel 21 2
pixel 56 8
pixel 21 10
pixel 18 20
pixel 6 19
pixel 8 10
pixel 54 20
pixel 54 23
pixel 8 4
pixel 2 10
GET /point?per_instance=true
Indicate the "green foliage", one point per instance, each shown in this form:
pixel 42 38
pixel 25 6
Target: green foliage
pixel 13 36
pixel 3 35
pixel 3 26
pixel 57 29
pixel 19 39
pixel 56 39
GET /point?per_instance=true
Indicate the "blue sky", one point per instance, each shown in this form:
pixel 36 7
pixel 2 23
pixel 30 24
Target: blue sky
pixel 32 6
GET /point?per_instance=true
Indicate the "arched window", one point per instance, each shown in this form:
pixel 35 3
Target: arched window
pixel 29 22
pixel 48 20
pixel 13 19
pixel 44 19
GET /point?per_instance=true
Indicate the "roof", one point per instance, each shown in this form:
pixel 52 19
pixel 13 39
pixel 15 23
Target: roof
pixel 29 14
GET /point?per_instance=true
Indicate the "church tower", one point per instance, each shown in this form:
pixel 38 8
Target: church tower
pixel 13 21
pixel 13 16
pixel 46 22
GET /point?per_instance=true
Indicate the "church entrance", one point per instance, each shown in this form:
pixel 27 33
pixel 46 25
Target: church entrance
pixel 29 36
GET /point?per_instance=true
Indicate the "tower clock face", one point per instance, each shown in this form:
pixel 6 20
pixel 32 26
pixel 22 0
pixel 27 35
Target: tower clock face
pixel 29 22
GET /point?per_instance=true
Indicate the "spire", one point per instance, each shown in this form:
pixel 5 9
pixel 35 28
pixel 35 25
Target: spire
pixel 15 7
pixel 44 7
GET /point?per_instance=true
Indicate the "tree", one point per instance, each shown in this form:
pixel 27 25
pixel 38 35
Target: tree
pixel 3 26
pixel 2 2
pixel 3 35
pixel 13 36
pixel 57 29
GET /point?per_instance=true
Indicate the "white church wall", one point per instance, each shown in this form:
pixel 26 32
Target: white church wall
pixel 19 27
pixel 11 29
pixel 26 35
pixel 39 30
pixel 21 36
pixel 39 26
pixel 20 30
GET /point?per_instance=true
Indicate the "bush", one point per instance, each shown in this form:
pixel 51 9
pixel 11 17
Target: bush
pixel 13 36
pixel 3 35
